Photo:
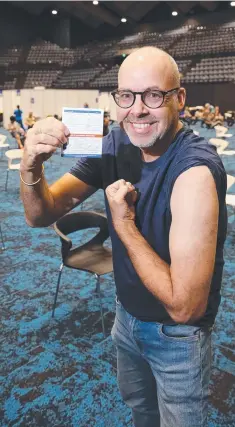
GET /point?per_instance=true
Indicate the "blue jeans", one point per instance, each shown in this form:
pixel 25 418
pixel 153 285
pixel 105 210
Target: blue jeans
pixel 163 371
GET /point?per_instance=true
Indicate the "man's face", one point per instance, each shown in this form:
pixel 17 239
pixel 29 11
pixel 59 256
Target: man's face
pixel 145 125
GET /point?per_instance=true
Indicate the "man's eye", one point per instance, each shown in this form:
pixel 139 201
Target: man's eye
pixel 125 95
pixel 155 95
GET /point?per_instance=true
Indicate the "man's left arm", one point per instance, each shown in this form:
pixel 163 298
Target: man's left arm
pixel 183 287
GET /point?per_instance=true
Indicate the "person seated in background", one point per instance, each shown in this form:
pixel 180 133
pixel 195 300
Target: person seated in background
pixel 30 120
pixel 57 117
pixel 106 123
pixel 86 105
pixel 16 132
pixel 186 116
pixel 207 117
pixel 218 118
pixel 230 117
pixel 198 117
pixel 210 107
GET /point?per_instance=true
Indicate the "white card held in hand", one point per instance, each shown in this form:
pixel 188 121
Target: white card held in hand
pixel 86 132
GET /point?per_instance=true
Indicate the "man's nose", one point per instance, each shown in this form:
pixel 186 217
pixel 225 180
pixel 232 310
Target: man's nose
pixel 138 107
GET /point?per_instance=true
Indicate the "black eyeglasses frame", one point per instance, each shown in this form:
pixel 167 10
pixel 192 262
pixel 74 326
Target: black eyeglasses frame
pixel 164 93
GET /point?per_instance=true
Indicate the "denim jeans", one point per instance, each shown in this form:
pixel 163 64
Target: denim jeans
pixel 163 371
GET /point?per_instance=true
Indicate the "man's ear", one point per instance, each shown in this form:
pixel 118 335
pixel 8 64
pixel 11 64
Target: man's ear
pixel 181 98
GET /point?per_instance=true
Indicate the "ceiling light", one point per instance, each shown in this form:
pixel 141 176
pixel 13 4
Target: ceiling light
pixel 95 2
pixel 174 13
pixel 54 12
pixel 123 19
pixel 232 3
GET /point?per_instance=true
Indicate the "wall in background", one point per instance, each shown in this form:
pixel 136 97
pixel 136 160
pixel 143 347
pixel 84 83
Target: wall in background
pixel 222 94
pixel 44 102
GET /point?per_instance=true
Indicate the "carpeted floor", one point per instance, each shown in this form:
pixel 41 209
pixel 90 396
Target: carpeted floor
pixel 60 372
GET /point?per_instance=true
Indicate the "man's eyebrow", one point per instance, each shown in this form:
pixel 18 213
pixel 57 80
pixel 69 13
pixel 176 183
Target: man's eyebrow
pixel 148 88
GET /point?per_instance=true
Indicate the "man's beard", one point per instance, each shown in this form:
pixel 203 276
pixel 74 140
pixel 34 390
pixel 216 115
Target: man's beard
pixel 149 119
pixel 142 145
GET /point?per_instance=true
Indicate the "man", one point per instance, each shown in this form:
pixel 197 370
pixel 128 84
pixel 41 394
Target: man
pixel 18 115
pixel 165 201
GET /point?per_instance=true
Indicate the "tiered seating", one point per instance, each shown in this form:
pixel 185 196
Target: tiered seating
pixel 11 56
pixel 77 78
pixel 10 84
pixel 110 77
pixel 161 40
pixel 204 41
pixel 49 53
pixel 212 70
pixel 183 64
pixel 185 44
pixel 96 49
pixel 107 79
pixel 40 78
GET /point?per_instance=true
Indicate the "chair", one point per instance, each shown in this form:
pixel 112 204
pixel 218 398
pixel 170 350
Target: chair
pixel 219 143
pixel 92 256
pixel 230 181
pixel 2 141
pixel 221 132
pixel 13 155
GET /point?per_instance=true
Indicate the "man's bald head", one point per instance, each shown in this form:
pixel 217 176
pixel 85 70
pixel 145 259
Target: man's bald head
pixel 154 58
pixel 144 77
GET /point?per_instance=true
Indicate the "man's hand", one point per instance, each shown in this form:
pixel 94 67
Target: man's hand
pixel 42 141
pixel 121 196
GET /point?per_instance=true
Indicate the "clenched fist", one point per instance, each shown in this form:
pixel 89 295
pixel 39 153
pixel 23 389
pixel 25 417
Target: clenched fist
pixel 42 141
pixel 121 196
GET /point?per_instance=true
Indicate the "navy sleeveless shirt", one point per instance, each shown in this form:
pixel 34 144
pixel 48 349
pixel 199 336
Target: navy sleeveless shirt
pixel 154 181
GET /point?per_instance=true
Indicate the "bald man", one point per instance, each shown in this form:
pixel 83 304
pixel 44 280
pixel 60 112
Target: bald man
pixel 165 199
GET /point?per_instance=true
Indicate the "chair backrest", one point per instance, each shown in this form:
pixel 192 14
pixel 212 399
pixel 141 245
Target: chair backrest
pixel 13 155
pixel 230 181
pixel 80 221
pixel 2 139
pixel 220 130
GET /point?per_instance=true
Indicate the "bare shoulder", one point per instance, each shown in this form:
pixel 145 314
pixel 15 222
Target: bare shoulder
pixel 197 180
pixel 194 198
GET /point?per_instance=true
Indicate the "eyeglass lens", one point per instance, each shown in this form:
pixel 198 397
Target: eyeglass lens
pixel 151 98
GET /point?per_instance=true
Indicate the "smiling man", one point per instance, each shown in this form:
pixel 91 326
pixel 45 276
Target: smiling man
pixel 165 199
pixel 143 119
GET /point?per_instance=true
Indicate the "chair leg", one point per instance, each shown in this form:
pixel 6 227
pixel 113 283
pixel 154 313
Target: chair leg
pixel 101 307
pixel 3 246
pixel 57 289
pixel 6 180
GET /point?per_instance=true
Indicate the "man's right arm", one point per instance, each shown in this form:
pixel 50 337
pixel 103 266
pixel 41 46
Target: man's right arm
pixel 43 204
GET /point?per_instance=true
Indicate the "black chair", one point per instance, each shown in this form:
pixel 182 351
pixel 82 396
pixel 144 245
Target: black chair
pixel 92 256
pixel 3 246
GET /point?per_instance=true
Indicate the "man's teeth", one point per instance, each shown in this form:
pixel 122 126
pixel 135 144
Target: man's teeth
pixel 141 125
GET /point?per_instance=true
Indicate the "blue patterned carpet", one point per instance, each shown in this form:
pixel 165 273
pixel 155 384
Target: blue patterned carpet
pixel 60 372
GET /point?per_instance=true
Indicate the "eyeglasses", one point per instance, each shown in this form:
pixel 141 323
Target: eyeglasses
pixel 152 98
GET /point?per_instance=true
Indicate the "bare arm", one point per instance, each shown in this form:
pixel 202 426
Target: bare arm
pixel 44 205
pixel 183 287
